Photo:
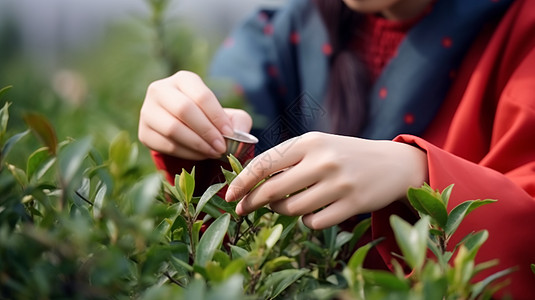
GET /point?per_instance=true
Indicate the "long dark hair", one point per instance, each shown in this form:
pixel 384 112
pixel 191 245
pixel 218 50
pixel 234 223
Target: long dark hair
pixel 348 81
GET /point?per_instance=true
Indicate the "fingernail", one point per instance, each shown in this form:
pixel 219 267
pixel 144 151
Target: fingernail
pixel 219 146
pixel 227 130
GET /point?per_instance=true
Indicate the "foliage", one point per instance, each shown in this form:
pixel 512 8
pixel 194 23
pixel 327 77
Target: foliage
pixel 79 224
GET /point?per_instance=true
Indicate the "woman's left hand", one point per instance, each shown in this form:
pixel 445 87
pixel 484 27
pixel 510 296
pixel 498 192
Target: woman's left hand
pixel 338 177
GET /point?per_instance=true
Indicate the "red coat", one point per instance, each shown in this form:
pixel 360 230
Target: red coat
pixel 483 141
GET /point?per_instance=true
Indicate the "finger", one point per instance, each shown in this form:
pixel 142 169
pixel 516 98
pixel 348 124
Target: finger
pixel 277 188
pixel 240 119
pixel 334 214
pixel 167 146
pixel 307 201
pixel 160 121
pixel 185 110
pixel 275 159
pixel 193 86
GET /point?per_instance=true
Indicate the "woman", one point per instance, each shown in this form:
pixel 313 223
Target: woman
pixel 411 91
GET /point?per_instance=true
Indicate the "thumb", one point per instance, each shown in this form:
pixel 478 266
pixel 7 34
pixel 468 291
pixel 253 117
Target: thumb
pixel 240 119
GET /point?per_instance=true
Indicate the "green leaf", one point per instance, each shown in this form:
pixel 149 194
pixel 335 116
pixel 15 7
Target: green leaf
pixel 288 222
pixel 144 193
pixel 276 232
pixel 211 240
pixel 276 263
pixel 179 192
pixel 429 204
pixel 238 252
pixel 479 287
pixel 359 231
pixel 412 240
pixel 4 116
pixel 229 176
pixel 180 224
pixel 174 192
pixel 446 193
pixel 533 268
pixel 121 152
pixel 10 142
pixel 235 164
pixel 71 157
pixel 357 259
pixel 187 184
pixel 43 129
pixel 229 207
pixel 210 192
pixel 385 279
pixel 39 162
pixel 458 213
pixel 236 266
pixel 3 91
pixel 342 238
pixel 98 203
pixel 18 174
pixel 474 242
pixel 276 283
pixel 230 289
pixel 195 231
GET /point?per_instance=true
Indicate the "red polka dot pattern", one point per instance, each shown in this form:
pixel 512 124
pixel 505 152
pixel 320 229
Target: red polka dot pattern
pixel 447 42
pixel 294 38
pixel 408 119
pixel 383 92
pixel 327 49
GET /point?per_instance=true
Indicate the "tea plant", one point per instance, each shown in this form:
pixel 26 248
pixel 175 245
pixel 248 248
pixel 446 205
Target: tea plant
pixel 79 224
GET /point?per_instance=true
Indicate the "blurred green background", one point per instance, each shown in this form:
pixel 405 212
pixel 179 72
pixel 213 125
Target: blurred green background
pixel 86 65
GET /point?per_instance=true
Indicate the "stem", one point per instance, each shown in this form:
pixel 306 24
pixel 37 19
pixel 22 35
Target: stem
pixel 173 280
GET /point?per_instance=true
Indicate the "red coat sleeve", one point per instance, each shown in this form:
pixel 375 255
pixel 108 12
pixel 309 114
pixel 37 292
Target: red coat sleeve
pixel 488 152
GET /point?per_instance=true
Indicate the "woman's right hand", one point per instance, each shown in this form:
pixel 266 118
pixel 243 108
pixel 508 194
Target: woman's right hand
pixel 182 117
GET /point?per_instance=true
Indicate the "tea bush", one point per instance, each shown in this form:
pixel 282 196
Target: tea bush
pixel 76 223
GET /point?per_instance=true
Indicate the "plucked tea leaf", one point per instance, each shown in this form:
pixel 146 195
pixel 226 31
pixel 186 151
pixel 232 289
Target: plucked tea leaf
pixel 211 240
pixel 43 129
pixel 429 204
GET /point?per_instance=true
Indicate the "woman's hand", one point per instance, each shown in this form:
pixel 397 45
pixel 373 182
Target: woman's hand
pixel 182 117
pixel 341 177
